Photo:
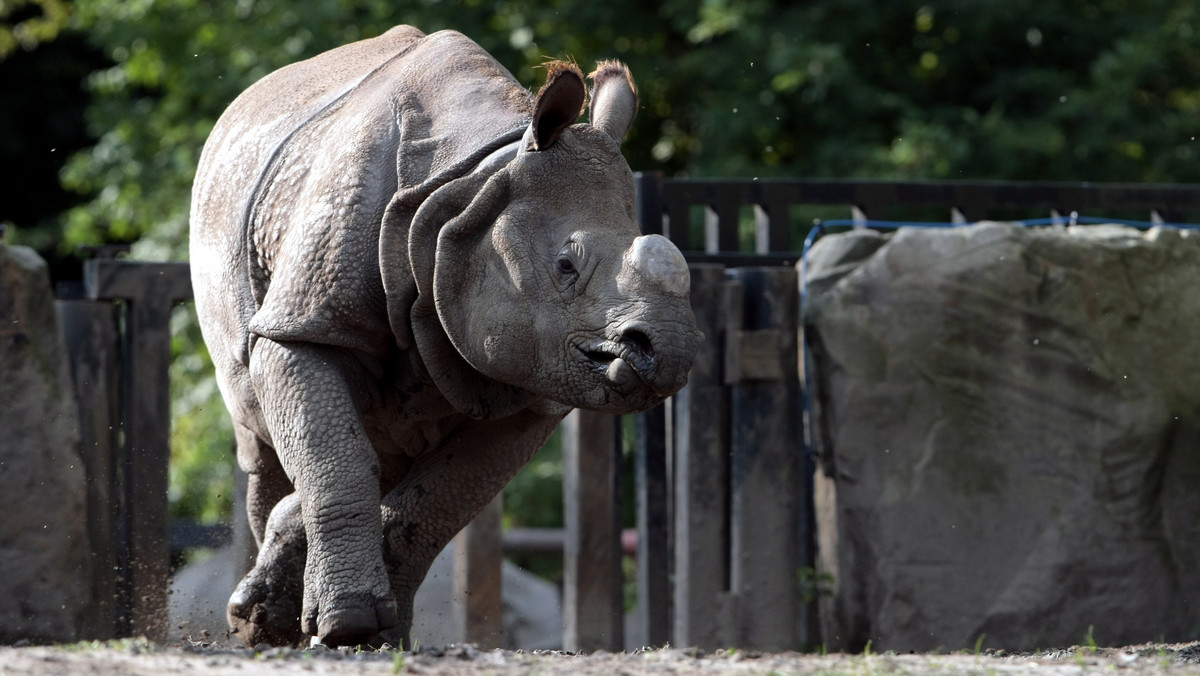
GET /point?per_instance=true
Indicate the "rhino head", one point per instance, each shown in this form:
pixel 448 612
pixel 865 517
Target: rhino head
pixel 532 275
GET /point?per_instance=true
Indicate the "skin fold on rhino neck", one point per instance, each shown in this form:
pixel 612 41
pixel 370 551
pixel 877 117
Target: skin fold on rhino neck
pixel 494 162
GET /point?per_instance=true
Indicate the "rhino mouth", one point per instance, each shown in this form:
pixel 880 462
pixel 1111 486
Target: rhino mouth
pixel 624 366
pixel 601 354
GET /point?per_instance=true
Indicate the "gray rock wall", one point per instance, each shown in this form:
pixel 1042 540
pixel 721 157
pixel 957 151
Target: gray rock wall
pixel 44 554
pixel 1009 434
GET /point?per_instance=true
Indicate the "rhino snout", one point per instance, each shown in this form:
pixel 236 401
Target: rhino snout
pixel 646 350
pixel 638 362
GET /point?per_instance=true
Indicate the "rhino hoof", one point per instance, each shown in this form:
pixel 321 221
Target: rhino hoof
pixel 256 616
pixel 355 624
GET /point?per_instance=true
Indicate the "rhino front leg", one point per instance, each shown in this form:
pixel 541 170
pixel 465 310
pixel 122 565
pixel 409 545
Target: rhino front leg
pixel 310 410
pixel 444 490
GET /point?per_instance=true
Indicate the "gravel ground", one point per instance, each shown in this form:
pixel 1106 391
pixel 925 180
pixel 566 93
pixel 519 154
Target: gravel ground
pixel 139 658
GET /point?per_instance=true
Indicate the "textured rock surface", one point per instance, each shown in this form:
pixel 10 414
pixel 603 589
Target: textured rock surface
pixel 43 542
pixel 1009 428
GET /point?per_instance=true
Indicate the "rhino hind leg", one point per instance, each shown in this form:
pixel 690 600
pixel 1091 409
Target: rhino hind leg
pixel 443 491
pixel 266 484
pixel 266 606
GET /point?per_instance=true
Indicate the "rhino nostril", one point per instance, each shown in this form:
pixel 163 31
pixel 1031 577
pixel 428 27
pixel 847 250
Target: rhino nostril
pixel 639 340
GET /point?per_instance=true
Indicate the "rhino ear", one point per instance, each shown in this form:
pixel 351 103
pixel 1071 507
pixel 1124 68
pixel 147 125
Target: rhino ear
pixel 559 103
pixel 614 99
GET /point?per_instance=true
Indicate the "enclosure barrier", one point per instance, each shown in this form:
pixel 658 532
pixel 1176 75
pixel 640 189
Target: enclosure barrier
pixel 724 525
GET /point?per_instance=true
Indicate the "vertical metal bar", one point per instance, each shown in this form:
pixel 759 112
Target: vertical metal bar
pixel 593 611
pixel 653 564
pixel 701 479
pixel 478 585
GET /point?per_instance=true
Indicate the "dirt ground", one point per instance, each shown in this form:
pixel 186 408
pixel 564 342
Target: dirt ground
pixel 139 658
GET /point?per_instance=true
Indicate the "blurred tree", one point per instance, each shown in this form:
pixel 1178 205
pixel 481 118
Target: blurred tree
pixel 1061 89
pixel 24 24
pixel 42 117
pixel 1097 90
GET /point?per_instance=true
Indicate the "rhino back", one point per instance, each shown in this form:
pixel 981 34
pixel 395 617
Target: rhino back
pixel 297 173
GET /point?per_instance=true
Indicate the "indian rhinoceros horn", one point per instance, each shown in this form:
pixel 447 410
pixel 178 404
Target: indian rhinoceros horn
pixel 655 259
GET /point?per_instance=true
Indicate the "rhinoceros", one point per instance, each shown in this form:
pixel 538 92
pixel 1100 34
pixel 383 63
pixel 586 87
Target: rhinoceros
pixel 407 270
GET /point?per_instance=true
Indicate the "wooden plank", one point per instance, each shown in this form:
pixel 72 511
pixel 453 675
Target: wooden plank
pixel 144 465
pixel 550 541
pixel 538 541
pixel 593 612
pixel 742 259
pixel 653 520
pixel 754 355
pixel 721 221
pixel 772 220
pixel 765 475
pixel 776 205
pixel 732 308
pixel 90 330
pixel 149 291
pixel 679 226
pixel 763 229
pixel 123 279
pixel 478 586
pixel 701 467
pixel 649 206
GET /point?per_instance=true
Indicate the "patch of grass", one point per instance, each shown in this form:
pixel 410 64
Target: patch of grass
pixel 1090 639
pixel 979 644
pixel 814 585
pixel 136 645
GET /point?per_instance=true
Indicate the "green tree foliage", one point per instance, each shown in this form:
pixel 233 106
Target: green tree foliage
pixel 24 24
pixel 1014 89
pixel 1098 90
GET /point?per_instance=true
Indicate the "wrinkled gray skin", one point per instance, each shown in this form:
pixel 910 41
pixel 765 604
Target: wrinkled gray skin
pixel 407 270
